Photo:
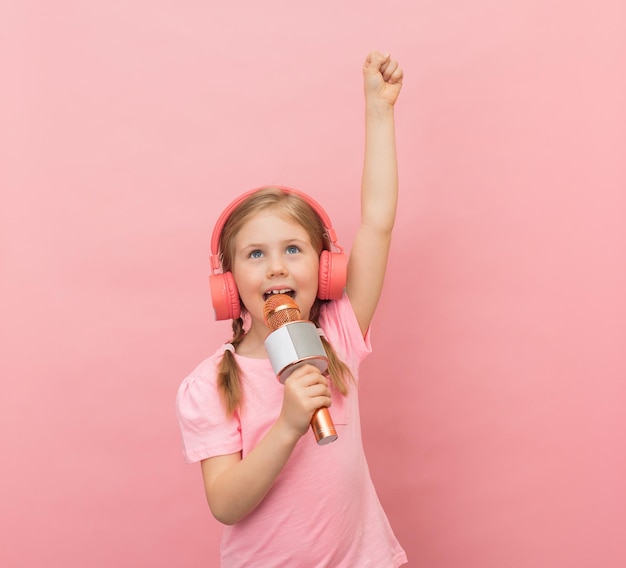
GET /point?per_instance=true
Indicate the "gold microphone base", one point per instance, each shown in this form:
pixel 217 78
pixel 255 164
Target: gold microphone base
pixel 323 427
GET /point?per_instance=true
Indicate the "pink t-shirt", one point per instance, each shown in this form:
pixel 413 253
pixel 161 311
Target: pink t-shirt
pixel 322 510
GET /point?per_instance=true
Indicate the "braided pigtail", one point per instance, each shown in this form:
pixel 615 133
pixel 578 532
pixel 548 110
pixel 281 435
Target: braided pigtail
pixel 338 371
pixel 228 373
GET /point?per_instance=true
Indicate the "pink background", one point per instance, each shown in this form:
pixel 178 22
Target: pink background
pixel 493 405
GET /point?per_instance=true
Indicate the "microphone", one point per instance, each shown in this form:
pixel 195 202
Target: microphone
pixel 292 343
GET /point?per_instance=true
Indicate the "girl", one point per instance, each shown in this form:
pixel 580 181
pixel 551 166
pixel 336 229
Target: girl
pixel 287 501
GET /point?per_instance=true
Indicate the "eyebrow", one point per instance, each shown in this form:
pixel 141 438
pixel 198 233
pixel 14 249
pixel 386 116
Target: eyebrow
pixel 284 242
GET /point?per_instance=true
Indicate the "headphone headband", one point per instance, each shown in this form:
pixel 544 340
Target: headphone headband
pixel 223 218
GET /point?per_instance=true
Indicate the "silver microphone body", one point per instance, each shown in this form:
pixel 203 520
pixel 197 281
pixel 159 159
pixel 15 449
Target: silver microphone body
pixel 292 345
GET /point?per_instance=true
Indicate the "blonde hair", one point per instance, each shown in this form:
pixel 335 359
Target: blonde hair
pixel 298 210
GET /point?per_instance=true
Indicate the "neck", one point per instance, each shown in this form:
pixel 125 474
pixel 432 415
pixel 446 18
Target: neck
pixel 253 343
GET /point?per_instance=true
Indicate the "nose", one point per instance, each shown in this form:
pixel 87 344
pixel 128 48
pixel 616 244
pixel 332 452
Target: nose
pixel 276 267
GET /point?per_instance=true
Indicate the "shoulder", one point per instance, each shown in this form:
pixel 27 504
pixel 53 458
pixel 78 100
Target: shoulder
pixel 205 371
pixel 339 316
pixel 200 385
pixel 205 427
pixel 341 327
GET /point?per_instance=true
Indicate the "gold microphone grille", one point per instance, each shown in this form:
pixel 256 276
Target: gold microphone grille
pixel 280 309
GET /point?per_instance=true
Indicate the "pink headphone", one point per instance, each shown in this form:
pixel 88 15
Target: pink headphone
pixel 332 271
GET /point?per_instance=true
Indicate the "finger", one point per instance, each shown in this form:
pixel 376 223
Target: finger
pixel 396 76
pixel 303 370
pixel 318 389
pixel 374 61
pixel 388 69
pixel 384 66
pixel 321 400
pixel 307 376
pixel 313 370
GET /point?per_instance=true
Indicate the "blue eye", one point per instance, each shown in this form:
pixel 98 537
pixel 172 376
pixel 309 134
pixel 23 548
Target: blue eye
pixel 256 254
pixel 293 249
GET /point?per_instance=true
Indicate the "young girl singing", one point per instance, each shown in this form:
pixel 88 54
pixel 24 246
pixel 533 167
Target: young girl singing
pixel 287 501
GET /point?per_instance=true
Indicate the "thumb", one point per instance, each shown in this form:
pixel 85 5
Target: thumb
pixel 374 61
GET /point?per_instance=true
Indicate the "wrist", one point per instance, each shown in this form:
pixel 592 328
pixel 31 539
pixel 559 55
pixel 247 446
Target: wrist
pixel 379 108
pixel 287 434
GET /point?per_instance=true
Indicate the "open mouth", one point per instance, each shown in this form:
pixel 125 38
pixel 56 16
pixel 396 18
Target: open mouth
pixel 288 291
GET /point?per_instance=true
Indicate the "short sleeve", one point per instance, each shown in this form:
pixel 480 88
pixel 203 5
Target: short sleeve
pixel 205 428
pixel 341 328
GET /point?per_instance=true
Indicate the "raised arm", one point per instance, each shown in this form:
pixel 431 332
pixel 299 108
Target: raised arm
pixel 379 187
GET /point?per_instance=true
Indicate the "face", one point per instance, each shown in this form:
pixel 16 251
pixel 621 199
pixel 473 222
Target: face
pixel 274 254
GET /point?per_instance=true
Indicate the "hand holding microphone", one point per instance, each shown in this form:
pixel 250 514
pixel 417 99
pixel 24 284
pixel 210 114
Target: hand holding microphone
pixel 305 391
pixel 293 343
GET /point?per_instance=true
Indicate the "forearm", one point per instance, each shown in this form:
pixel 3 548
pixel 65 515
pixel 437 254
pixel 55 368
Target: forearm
pixel 379 186
pixel 239 489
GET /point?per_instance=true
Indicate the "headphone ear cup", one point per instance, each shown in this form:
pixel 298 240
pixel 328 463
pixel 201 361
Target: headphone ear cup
pixel 332 275
pixel 225 296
